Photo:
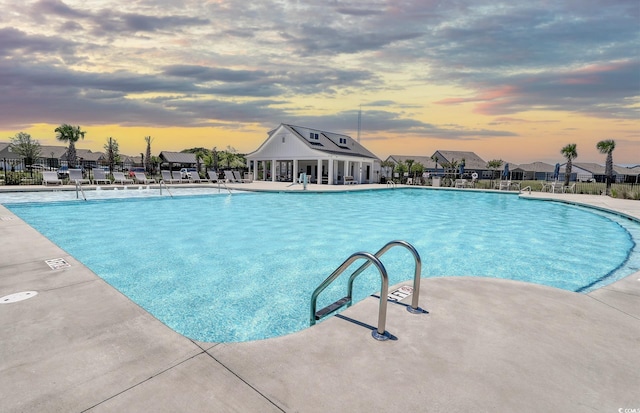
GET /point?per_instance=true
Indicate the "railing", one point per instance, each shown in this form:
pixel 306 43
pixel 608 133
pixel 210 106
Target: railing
pixel 162 182
pixel 525 189
pixel 225 186
pixel 391 184
pixel 80 190
pixel 414 308
pixel 380 333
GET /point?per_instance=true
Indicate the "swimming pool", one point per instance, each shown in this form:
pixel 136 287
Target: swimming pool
pixel 222 268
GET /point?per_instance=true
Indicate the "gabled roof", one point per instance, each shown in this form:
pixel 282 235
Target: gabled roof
pixel 329 142
pixel 536 167
pixel 471 160
pixel 593 168
pixel 57 151
pixel 178 157
pixel 425 161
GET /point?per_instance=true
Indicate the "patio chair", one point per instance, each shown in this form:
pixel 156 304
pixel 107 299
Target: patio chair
pixel 75 176
pixel 99 175
pixel 141 178
pixel 166 177
pixel 571 188
pixel 118 177
pixel 248 177
pixel 50 177
pixel 461 183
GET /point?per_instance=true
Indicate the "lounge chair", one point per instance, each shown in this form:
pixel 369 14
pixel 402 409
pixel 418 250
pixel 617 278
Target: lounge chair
pixel 166 177
pixel 571 188
pixel 228 175
pixel 238 177
pixel 195 177
pixel 213 176
pixel 118 177
pixel 248 177
pixel 75 176
pixel 50 177
pixel 177 176
pixel 99 175
pixel 141 178
pixel 461 183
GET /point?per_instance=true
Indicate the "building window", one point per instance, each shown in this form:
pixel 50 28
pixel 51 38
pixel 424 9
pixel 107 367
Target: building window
pixel 283 139
pixel 313 136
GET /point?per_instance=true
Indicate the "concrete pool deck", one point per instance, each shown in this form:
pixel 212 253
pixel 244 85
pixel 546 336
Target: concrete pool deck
pixel 485 345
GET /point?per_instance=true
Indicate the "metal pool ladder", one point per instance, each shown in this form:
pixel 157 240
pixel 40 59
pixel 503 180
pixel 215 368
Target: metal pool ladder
pixel 380 333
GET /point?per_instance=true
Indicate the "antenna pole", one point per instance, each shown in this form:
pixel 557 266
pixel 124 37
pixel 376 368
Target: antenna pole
pixel 359 122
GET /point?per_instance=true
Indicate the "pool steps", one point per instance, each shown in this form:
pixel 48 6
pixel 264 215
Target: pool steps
pixel 380 333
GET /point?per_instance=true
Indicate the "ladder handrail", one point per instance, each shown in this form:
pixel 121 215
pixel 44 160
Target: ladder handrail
pixel 416 275
pixel 225 186
pixel 391 183
pixel 166 187
pixel 79 185
pixel 384 288
pixel 525 188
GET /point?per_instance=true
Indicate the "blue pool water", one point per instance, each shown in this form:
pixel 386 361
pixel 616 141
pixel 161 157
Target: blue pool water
pixel 223 268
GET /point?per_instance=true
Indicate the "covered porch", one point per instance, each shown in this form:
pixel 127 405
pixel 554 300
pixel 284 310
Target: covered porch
pixel 333 170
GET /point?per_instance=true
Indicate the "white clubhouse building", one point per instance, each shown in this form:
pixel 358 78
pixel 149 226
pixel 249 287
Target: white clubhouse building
pixel 326 157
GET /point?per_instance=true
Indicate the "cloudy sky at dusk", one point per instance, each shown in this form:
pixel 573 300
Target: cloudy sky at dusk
pixel 514 80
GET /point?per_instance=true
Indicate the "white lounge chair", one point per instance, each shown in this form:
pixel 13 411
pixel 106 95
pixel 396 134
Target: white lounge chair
pixel 118 177
pixel 248 177
pixel 195 177
pixel 571 188
pixel 213 176
pixel 238 177
pixel 50 177
pixel 141 178
pixel 177 176
pixel 228 175
pixel 166 177
pixel 75 176
pixel 99 175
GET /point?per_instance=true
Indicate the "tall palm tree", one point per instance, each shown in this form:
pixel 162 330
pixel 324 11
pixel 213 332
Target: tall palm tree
pixel 569 152
pixel 606 147
pixel 113 153
pixel 71 135
pixel 147 160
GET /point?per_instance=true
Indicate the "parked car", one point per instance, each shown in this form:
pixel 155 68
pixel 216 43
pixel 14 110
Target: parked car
pixel 185 173
pixel 63 172
pixel 132 171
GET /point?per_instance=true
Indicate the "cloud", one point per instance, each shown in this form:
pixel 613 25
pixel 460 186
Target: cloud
pixel 191 63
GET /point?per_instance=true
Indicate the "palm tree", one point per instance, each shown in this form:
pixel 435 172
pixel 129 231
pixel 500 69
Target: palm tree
pixel 147 159
pixel 71 135
pixel 606 147
pixel 569 152
pixel 113 155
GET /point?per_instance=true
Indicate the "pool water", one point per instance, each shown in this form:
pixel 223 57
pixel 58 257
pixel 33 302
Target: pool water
pixel 222 268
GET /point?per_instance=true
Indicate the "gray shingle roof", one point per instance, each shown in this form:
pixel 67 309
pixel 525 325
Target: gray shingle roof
pixel 178 157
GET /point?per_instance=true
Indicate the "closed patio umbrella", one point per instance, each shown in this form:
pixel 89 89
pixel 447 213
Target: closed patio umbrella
pixel 505 173
pixel 556 172
pixel 461 169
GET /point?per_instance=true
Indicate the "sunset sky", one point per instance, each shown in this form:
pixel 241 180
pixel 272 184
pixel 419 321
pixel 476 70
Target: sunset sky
pixel 513 80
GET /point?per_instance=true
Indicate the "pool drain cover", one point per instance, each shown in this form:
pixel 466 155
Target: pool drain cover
pixel 57 263
pixel 14 298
